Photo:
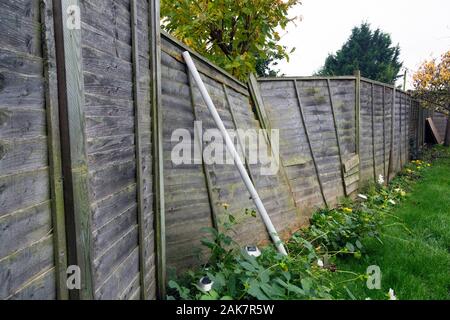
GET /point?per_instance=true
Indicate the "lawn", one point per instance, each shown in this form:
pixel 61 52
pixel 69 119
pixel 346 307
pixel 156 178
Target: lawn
pixel 414 256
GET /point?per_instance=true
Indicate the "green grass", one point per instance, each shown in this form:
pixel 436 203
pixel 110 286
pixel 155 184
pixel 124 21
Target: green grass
pixel 415 264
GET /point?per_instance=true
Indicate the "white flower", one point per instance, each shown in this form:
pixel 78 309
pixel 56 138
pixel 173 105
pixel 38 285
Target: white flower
pixel 368 299
pixel 320 263
pixel 392 202
pixel 391 294
pixel 380 179
pixel 361 196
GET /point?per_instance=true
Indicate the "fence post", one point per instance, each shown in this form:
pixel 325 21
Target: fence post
pixel 373 133
pixel 358 117
pixel 158 157
pixel 391 151
pixel 138 113
pixel 54 149
pixel 73 142
pixel 384 133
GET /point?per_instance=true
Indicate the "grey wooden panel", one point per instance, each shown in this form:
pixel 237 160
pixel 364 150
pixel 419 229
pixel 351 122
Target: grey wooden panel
pixel 440 122
pixel 367 169
pixel 24 265
pixel 26 240
pixel 388 92
pixel 378 126
pixel 185 186
pixel 111 149
pixel 319 119
pixel 343 93
pixel 282 107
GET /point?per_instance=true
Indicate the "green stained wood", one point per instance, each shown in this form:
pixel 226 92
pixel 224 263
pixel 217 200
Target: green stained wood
pixel 54 150
pixel 138 114
pixel 77 203
pixel 158 157
pixel 316 169
pixel 338 141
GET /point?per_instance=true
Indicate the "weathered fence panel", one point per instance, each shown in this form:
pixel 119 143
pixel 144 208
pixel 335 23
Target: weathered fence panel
pixel 116 72
pixel 101 74
pixel 32 247
pixel 197 193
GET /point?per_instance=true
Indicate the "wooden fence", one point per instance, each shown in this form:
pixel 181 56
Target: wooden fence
pixel 78 135
pixel 86 121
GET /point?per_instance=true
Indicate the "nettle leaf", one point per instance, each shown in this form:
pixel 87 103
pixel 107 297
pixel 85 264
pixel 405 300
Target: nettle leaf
pixel 306 284
pixel 255 290
pixel 358 244
pixel 350 247
pixel 247 266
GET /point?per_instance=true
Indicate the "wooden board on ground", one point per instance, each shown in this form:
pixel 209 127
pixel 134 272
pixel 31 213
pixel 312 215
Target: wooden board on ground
pixel 436 136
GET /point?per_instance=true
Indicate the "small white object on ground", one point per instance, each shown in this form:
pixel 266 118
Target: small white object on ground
pixel 253 251
pixel 320 263
pixel 205 284
pixel 391 294
pixel 361 196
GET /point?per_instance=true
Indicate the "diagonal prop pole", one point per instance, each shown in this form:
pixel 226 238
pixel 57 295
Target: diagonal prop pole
pixel 237 160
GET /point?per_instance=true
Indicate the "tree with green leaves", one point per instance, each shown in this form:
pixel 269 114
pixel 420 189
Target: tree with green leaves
pixel 369 51
pixel 238 35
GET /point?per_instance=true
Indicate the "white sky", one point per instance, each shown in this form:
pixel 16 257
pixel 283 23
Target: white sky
pixel 422 28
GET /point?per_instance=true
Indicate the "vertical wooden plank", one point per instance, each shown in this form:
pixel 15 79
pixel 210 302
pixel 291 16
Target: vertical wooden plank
pixel 391 164
pixel 373 133
pixel 73 142
pixel 54 149
pixel 400 138
pixel 138 113
pixel 254 92
pixel 302 116
pixel 358 117
pixel 384 131
pixel 333 111
pixel 158 160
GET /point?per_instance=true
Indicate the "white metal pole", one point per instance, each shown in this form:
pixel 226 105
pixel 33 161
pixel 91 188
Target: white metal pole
pixel 237 160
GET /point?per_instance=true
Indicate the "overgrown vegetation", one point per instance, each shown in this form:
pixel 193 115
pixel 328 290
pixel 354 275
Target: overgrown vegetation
pixel 415 255
pixel 313 269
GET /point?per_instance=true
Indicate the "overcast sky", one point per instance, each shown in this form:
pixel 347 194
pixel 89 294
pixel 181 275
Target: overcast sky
pixel 422 28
